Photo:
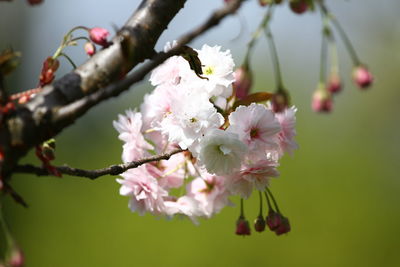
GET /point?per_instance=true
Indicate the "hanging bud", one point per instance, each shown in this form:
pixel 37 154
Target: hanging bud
pixel 48 149
pixel 322 100
pixel 243 81
pixel 90 49
pixel 284 226
pixel 298 6
pixel 16 258
pixel 242 226
pixel 259 224
pixel 334 83
pixel 362 77
pixel 273 219
pixel 280 101
pixel 99 36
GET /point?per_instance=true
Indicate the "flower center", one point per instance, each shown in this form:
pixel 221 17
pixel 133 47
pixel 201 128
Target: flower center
pixel 225 150
pixel 254 133
pixel 208 70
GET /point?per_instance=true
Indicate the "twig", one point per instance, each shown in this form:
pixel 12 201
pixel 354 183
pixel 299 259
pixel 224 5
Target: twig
pixel 94 174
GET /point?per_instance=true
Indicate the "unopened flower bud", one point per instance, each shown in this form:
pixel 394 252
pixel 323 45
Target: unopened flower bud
pixel 298 6
pixel 284 226
pixel 243 81
pixel 259 224
pixel 16 258
pixel 273 219
pixel 322 100
pixel 99 36
pixel 90 49
pixel 49 68
pixel 334 84
pixel 280 101
pixel 242 226
pixel 362 77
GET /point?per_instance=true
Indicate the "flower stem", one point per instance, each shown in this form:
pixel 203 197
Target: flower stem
pixel 69 60
pixel 257 34
pixel 275 59
pixel 342 33
pixel 273 199
pixel 241 208
pixel 261 203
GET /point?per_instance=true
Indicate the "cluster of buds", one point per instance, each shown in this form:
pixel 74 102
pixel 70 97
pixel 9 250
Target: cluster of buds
pixel 275 221
pixel 45 152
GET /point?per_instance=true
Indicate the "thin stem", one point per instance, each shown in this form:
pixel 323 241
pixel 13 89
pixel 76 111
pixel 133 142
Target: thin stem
pixel 275 59
pixel 257 33
pixel 323 63
pixel 268 201
pixel 71 42
pixel 261 203
pixel 342 33
pixel 69 60
pixel 241 208
pixel 273 199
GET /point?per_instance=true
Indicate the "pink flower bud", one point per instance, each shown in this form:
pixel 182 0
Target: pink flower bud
pixel 99 36
pixel 243 82
pixel 273 220
pixel 259 224
pixel 334 84
pixel 298 6
pixel 362 77
pixel 90 49
pixel 242 226
pixel 17 258
pixel 280 101
pixel 284 226
pixel 322 100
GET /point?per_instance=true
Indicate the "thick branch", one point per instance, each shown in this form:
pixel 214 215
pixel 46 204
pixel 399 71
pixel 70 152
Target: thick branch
pixel 33 123
pixel 94 174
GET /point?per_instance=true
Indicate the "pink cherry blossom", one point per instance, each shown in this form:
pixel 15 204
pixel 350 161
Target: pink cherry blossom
pixel 252 175
pixel 256 126
pixel 146 195
pixel 287 120
pixel 210 192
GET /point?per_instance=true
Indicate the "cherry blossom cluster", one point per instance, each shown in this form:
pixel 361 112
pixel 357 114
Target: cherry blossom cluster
pixel 228 150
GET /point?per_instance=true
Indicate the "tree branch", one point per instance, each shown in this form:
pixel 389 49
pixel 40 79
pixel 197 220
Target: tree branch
pixel 94 174
pixel 79 107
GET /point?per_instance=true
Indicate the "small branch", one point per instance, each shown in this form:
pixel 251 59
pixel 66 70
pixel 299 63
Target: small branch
pixel 94 174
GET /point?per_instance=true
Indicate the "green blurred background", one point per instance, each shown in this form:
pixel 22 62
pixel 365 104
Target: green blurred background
pixel 340 190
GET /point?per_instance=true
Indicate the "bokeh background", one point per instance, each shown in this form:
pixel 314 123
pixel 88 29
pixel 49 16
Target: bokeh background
pixel 340 190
